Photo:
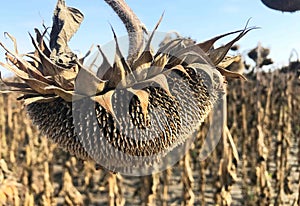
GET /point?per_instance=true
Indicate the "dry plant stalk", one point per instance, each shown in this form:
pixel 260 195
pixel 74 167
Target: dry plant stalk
pixel 115 197
pixel 188 181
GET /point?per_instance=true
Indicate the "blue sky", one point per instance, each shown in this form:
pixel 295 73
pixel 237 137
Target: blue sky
pixel 199 20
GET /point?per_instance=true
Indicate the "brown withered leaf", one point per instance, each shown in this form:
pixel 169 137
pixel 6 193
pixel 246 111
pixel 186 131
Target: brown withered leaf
pixel 231 74
pixel 42 45
pixel 158 65
pixel 207 45
pixel 30 100
pixel 192 54
pixel 119 58
pixel 162 81
pixel 68 96
pixel 13 39
pixel 25 66
pixel 88 83
pixel 171 47
pixel 104 67
pixel 217 55
pixel 228 60
pixel 178 68
pixel 143 97
pixel 63 77
pixel 105 101
pixel 66 21
pixel 120 69
pixel 144 60
pixel 35 84
pixel 49 67
pixel 81 60
pixel 14 84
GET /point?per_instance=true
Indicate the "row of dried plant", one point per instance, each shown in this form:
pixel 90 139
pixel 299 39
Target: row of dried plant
pixel 255 163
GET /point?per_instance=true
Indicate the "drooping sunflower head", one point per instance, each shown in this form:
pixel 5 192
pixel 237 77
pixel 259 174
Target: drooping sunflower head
pixel 130 113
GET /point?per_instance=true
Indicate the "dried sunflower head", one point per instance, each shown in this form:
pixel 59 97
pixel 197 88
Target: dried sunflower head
pixel 133 115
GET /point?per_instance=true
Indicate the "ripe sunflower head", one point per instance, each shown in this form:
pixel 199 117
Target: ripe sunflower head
pixel 128 114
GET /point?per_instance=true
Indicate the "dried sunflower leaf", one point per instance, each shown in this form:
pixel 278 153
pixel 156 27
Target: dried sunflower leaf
pixel 179 68
pixel 19 85
pixel 13 40
pixel 39 99
pixel 104 67
pixel 63 77
pixel 66 95
pixel 143 97
pixel 21 90
pixel 42 45
pixel 119 58
pixel 66 21
pixel 231 74
pixel 145 59
pixel 35 84
pixel 81 60
pixel 50 68
pixel 105 101
pixel 88 83
pixel 162 81
pixel 28 68
pixel 217 55
pixel 120 69
pixel 158 65
pixel 207 45
pixel 170 47
pixel 228 60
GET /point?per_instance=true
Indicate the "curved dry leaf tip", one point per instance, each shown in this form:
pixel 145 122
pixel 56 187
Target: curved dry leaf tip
pixel 105 65
pixel 162 81
pixel 88 83
pixel 18 85
pixel 169 46
pixel 208 44
pixel 105 101
pixel 119 54
pixel 81 60
pixel 66 95
pixel 143 97
pixel 41 43
pixel 105 59
pixel 147 48
pixel 217 55
pixel 157 65
pixel 50 68
pixel 178 68
pixel 13 40
pixel 230 74
pixel 146 56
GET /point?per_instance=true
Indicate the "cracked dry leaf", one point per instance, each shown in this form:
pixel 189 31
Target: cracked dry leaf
pixel 66 21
